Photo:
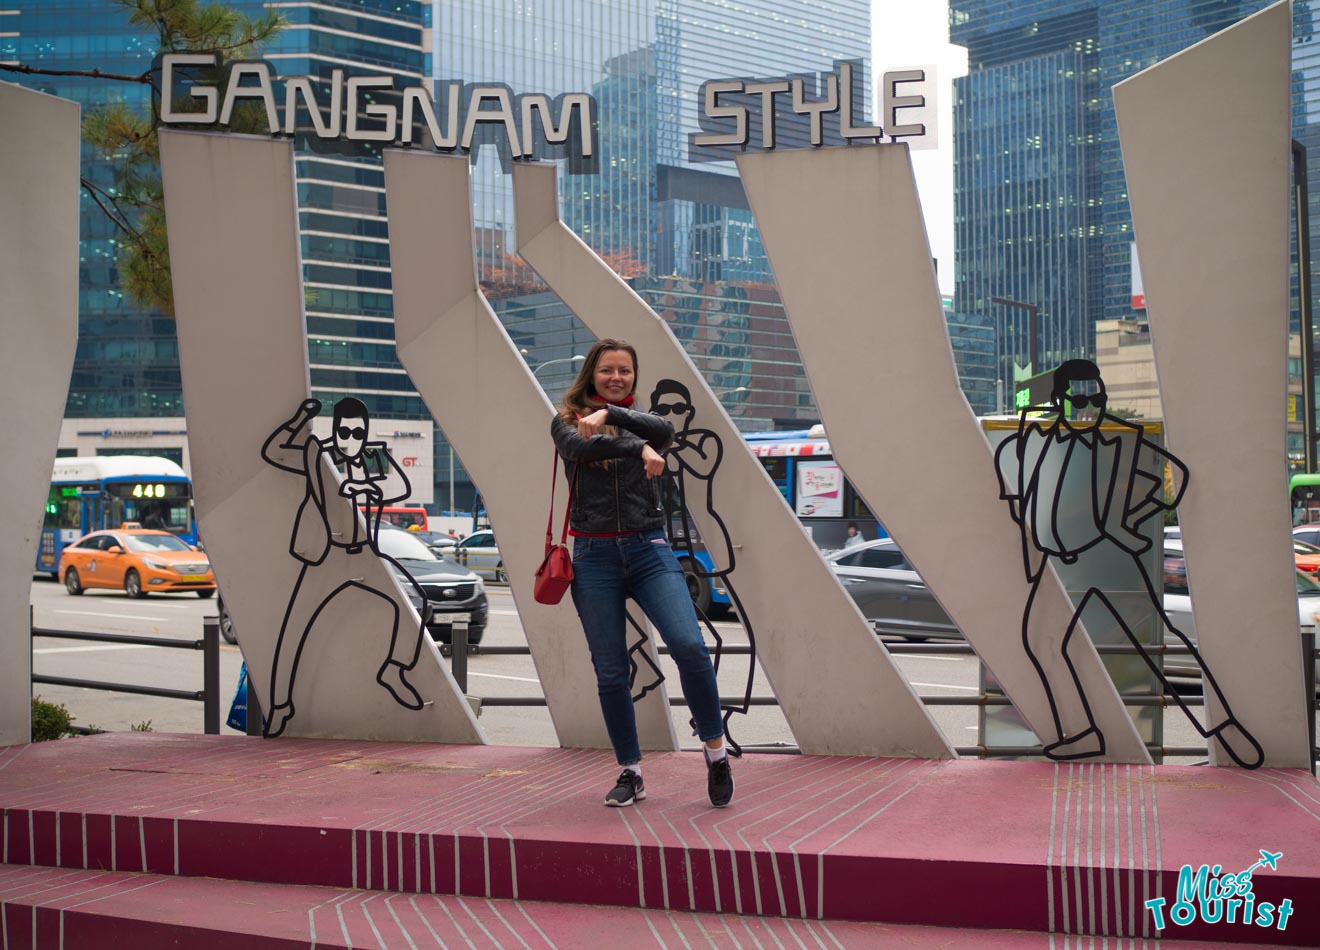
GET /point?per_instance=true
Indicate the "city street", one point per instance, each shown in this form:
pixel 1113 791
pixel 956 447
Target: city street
pixel 180 617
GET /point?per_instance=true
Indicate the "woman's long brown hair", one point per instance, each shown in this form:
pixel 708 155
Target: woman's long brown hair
pixel 576 399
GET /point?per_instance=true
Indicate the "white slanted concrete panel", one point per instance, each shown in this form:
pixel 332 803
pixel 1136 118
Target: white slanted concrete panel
pixel 1205 138
pixel 498 419
pixel 835 682
pixel 39 154
pixel 238 296
pixel 845 236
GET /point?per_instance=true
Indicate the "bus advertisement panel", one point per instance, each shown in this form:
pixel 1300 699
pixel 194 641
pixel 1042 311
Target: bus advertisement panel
pixel 819 490
pixel 802 466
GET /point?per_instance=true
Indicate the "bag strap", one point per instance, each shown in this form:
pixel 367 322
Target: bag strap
pixel 550 518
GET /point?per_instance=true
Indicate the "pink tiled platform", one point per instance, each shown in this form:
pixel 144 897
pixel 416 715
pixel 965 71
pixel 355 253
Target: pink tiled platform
pixel 110 910
pixel 1010 846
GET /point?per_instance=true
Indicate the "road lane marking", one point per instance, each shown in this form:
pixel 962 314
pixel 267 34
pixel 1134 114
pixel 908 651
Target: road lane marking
pixel 947 686
pixel 498 676
pixel 115 646
pixel 93 613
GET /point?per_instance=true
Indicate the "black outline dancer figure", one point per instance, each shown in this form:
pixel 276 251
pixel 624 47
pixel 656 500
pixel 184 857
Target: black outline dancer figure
pixel 328 534
pixel 697 453
pixel 1123 496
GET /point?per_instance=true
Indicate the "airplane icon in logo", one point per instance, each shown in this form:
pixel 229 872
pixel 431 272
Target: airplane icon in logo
pixel 1268 859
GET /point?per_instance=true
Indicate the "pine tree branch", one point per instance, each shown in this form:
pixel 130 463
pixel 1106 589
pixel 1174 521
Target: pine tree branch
pixel 144 79
pixel 116 216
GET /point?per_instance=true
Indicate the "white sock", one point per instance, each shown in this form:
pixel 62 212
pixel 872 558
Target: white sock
pixel 714 755
pixel 635 768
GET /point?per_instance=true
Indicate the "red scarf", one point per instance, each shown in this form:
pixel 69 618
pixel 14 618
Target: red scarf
pixel 597 403
pixel 602 403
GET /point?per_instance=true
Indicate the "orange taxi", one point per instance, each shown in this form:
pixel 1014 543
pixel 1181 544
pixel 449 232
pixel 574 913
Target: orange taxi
pixel 137 561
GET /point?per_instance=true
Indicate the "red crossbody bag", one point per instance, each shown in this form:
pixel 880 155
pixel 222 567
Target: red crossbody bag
pixel 555 574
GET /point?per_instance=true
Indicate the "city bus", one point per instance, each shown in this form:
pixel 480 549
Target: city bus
pixel 91 493
pixel 802 467
pixel 405 516
pixel 1304 494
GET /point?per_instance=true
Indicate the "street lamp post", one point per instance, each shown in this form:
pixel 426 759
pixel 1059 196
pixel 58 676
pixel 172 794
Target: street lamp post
pixel 725 392
pixel 566 359
pixel 1033 328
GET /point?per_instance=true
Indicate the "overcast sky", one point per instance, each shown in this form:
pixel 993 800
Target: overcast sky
pixel 916 33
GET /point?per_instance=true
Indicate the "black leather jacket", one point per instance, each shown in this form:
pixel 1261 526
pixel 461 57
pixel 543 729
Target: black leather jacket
pixel 619 496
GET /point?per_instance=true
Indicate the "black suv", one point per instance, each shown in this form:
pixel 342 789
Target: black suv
pixel 449 588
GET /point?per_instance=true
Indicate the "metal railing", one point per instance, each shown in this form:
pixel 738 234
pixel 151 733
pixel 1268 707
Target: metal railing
pixel 209 644
pixel 460 650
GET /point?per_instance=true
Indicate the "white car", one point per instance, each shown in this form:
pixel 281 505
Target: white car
pixel 1178 605
pixel 479 553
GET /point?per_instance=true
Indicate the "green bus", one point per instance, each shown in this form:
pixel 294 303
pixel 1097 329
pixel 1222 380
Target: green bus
pixel 1304 492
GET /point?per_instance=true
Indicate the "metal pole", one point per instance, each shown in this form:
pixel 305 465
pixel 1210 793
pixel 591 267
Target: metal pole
pixel 451 479
pixel 31 671
pixel 1033 329
pixel 211 675
pixel 458 640
pixel 1308 664
pixel 1301 193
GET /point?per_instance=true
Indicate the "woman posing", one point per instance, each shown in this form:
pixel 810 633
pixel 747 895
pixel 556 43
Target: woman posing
pixel 620 550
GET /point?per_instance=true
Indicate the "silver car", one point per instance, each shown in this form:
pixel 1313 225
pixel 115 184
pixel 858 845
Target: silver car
pixel 890 593
pixel 1178 605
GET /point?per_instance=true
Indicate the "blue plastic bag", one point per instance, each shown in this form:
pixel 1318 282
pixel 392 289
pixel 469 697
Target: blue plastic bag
pixel 238 708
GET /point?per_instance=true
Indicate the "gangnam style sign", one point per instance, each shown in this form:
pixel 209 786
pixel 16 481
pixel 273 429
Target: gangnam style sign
pixel 200 89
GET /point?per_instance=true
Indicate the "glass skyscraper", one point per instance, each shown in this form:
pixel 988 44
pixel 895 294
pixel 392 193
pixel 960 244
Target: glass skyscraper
pixel 1041 206
pixel 1042 211
pixel 680 230
pixel 128 358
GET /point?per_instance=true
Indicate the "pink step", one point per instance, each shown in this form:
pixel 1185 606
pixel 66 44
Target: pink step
pixel 53 909
pixel 1002 845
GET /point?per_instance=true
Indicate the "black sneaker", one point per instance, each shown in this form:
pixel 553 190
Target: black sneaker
pixel 628 790
pixel 719 781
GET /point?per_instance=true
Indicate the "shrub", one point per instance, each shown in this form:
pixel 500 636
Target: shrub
pixel 49 720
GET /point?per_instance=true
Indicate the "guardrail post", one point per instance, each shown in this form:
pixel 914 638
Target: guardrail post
pixel 1308 677
pixel 211 675
pixel 458 646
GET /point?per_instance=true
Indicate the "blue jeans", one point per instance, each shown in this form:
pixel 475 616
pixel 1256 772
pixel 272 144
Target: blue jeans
pixel 640 565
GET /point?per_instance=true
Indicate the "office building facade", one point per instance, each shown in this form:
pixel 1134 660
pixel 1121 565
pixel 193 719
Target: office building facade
pixel 680 230
pixel 128 359
pixel 1041 206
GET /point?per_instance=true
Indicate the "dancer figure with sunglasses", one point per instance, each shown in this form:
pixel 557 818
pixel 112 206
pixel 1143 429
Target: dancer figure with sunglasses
pixel 1080 495
pixel 329 535
pixel 612 454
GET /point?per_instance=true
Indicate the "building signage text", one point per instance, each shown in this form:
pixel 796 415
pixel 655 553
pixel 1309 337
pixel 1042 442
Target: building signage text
pixel 374 109
pixel 804 110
